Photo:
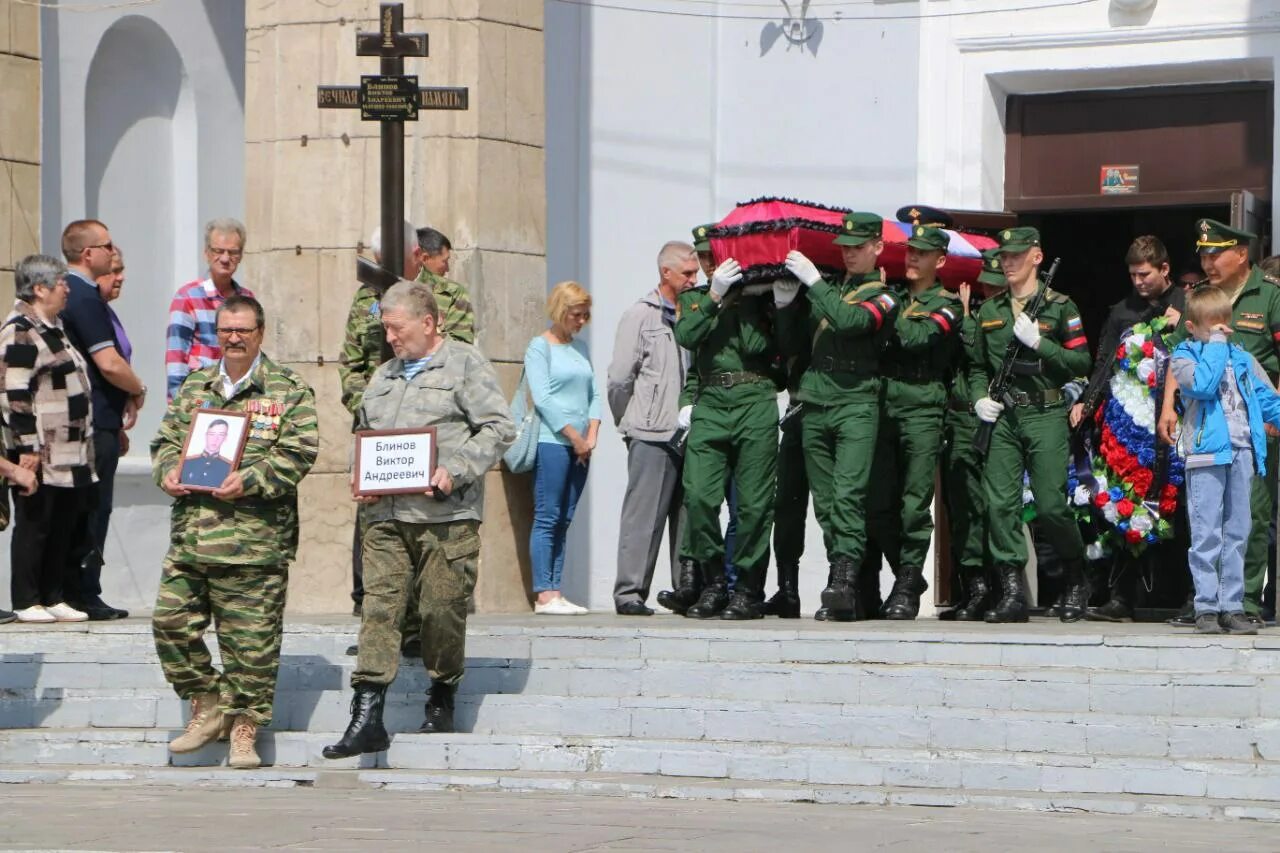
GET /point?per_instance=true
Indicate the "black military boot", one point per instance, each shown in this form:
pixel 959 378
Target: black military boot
pixel 1118 607
pixel 747 600
pixel 785 603
pixel 840 598
pixel 439 709
pixel 366 732
pixel 1076 598
pixel 979 601
pixel 1012 606
pixel 1186 617
pixel 904 599
pixel 715 592
pixel 688 586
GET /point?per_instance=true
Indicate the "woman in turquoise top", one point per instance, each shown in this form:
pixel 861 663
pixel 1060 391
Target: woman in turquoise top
pixel 563 387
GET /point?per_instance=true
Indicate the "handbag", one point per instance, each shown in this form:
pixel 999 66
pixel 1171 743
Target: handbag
pixel 519 457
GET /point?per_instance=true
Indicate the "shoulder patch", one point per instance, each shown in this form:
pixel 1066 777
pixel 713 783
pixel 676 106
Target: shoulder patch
pixel 992 324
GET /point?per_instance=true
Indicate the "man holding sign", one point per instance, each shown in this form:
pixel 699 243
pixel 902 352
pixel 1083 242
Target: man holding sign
pixel 432 382
pixel 230 548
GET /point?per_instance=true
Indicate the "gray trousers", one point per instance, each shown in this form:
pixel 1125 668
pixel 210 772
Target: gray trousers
pixel 652 501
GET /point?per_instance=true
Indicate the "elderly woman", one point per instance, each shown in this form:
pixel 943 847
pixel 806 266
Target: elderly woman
pixel 423 544
pixel 563 387
pixel 48 431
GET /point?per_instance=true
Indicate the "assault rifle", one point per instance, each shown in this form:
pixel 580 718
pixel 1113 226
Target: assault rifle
pixel 998 390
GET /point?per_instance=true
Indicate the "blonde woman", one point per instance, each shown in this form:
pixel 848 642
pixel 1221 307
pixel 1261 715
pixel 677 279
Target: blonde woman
pixel 563 387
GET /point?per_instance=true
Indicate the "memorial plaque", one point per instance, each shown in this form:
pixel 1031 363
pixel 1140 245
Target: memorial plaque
pixel 338 97
pixel 389 98
pixel 394 461
pixel 443 98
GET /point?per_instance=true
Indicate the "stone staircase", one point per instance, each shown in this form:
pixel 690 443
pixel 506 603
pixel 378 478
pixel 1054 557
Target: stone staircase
pixel 1105 718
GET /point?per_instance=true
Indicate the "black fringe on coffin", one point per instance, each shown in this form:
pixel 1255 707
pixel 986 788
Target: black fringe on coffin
pixel 761 273
pixel 771 198
pixel 767 225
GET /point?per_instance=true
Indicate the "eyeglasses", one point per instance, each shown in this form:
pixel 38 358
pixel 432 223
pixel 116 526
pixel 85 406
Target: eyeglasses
pixel 109 246
pixel 228 331
pixel 230 253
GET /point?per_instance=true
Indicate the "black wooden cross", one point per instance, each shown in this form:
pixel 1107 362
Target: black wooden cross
pixel 391 98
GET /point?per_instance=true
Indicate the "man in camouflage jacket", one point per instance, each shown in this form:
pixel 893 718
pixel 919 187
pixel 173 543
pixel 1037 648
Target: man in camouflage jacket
pixel 434 535
pixel 230 549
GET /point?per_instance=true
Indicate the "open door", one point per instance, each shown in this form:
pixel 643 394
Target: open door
pixel 1250 214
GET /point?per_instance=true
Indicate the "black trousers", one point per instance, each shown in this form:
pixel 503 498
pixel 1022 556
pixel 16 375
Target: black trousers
pixel 91 547
pixel 46 528
pixel 357 565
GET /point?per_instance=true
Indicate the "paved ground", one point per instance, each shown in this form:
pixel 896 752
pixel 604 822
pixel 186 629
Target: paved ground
pixel 72 817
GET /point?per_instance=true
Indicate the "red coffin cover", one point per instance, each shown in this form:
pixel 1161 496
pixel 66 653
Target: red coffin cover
pixel 759 234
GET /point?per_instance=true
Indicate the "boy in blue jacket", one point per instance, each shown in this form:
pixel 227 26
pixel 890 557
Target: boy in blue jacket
pixel 1229 397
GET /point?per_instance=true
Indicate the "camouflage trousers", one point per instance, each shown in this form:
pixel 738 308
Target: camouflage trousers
pixel 444 558
pixel 247 605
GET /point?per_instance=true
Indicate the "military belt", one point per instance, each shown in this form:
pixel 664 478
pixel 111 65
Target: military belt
pixel 960 406
pixel 1027 368
pixel 910 373
pixel 831 364
pixel 730 379
pixel 1039 399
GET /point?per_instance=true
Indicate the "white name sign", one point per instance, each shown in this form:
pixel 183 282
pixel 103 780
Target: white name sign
pixel 399 461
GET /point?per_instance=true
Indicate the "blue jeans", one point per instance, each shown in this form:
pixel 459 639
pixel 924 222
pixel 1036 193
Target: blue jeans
pixel 557 484
pixel 1218 508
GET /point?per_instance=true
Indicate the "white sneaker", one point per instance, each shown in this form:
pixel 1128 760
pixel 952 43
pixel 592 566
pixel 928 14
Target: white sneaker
pixel 573 609
pixel 554 607
pixel 35 613
pixel 63 612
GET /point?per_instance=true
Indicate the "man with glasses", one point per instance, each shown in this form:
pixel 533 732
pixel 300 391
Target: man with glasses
pixel 192 342
pixel 230 549
pixel 117 395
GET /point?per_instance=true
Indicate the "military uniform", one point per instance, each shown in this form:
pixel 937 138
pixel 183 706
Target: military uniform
pixel 228 560
pixel 1255 317
pixel 733 433
pixel 914 368
pixel 841 326
pixel 207 469
pixel 962 469
pixel 1030 434
pixel 791 500
pixel 457 317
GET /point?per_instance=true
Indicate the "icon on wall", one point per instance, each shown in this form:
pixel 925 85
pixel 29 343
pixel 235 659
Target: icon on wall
pixel 799 30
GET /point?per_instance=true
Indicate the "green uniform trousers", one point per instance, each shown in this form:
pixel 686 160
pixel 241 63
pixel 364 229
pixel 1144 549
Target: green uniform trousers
pixel 962 490
pixel 246 604
pixel 839 442
pixel 1262 507
pixel 444 557
pixel 900 514
pixel 791 502
pixel 1032 440
pixel 742 441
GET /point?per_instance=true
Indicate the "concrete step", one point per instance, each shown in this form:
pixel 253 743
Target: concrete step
pixel 783 722
pixel 941 770
pixel 642 785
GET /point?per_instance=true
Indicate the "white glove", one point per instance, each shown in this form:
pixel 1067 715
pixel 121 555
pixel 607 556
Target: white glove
pixel 685 417
pixel 988 410
pixel 784 292
pixel 726 276
pixel 1027 331
pixel 802 268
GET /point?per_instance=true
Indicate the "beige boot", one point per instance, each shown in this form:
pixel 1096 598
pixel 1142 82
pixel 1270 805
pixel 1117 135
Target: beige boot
pixel 206 723
pixel 244 732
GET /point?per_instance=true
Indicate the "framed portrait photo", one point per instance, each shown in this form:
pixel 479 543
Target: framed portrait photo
pixel 213 447
pixel 394 461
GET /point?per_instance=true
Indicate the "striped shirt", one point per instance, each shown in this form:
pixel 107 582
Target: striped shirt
pixel 192 339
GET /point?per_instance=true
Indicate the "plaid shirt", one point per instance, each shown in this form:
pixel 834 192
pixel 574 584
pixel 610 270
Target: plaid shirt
pixel 192 340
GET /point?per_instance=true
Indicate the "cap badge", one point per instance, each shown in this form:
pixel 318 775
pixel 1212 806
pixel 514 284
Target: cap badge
pixel 1006 235
pixel 848 225
pixel 919 232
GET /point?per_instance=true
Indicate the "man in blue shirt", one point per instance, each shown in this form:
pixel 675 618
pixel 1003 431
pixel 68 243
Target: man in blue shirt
pixel 118 393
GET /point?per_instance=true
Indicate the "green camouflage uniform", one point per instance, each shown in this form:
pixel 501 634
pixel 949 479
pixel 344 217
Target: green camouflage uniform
pixel 734 428
pixel 457 317
pixel 417 536
pixel 228 560
pixel 913 399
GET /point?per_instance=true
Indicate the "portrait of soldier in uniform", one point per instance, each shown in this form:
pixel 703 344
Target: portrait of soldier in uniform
pixel 209 466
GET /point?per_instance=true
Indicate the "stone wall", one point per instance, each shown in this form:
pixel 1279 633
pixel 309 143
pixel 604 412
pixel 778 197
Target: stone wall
pixel 19 138
pixel 312 196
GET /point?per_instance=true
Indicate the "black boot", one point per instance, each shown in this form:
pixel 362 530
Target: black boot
pixel 688 586
pixel 785 603
pixel 1012 607
pixel 366 732
pixel 439 709
pixel 904 600
pixel 1076 598
pixel 747 601
pixel 715 592
pixel 840 598
pixel 1186 617
pixel 980 594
